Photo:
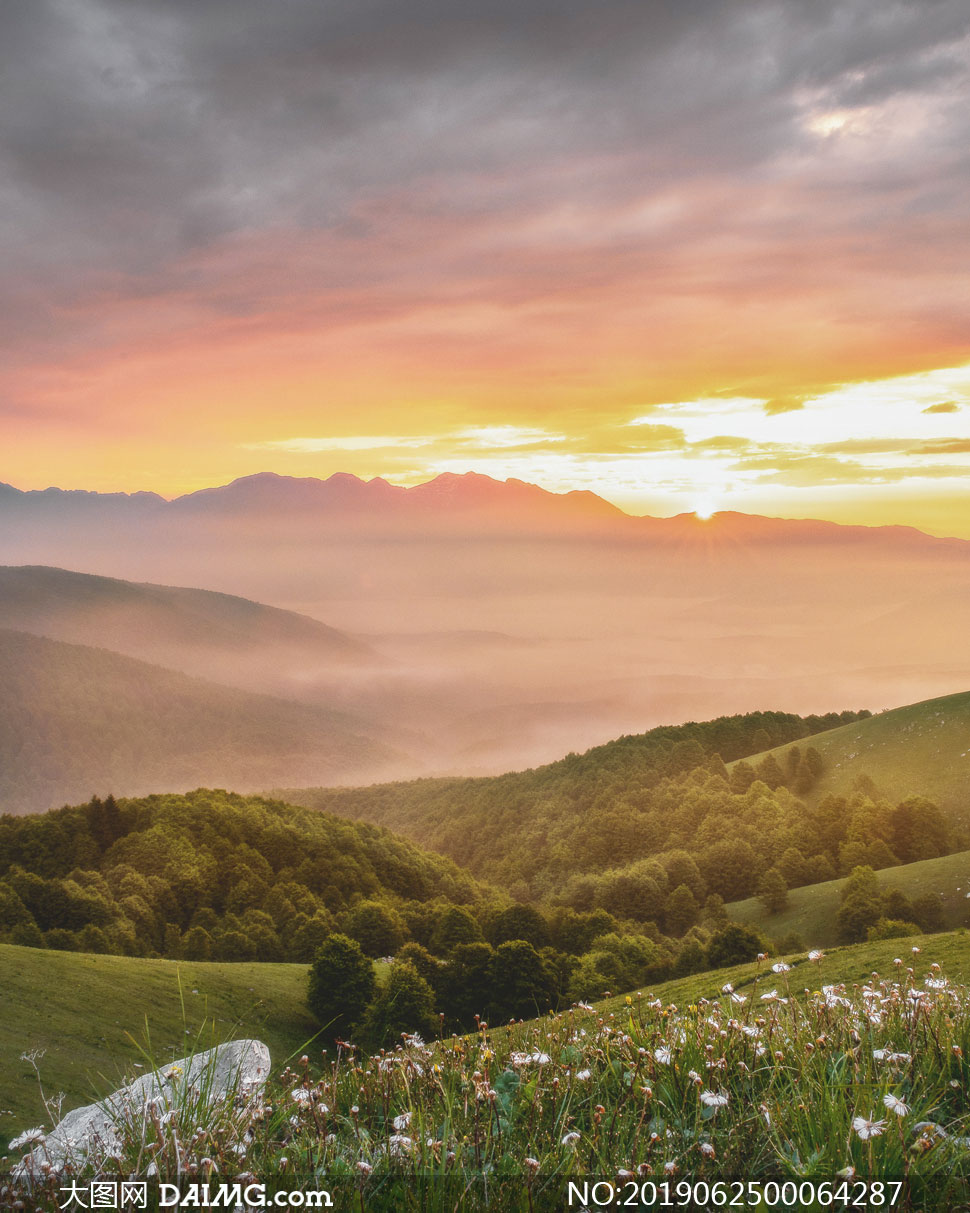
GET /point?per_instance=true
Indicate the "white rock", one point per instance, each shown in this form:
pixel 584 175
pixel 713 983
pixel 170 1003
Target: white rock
pixel 92 1133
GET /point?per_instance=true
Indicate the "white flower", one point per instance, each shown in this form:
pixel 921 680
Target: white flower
pixel 706 1149
pixel 727 988
pixel 29 1137
pixel 663 1056
pixel 402 1122
pixel 816 954
pixel 895 1104
pixel 781 967
pixel 670 1167
pixel 300 1095
pixel 413 1039
pixel 868 1128
pixel 714 1099
pixel 584 1075
pixel 400 1145
pixel 570 1139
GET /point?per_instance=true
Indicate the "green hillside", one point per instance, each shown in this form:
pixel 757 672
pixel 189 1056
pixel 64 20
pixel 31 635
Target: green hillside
pixel 588 813
pixel 812 910
pixel 86 1016
pixel 79 1012
pixel 213 876
pixel 921 749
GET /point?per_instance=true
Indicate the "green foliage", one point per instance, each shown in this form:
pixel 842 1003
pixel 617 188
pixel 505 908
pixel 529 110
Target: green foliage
pixel 455 926
pixel 773 891
pixel 404 1004
pixel 636 797
pixel 891 928
pixel 341 985
pixel 734 944
pixel 520 922
pixel 681 911
pixel 521 983
pixel 212 875
pixel 377 928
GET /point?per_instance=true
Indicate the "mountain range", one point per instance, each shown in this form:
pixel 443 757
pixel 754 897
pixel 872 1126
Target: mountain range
pixel 484 625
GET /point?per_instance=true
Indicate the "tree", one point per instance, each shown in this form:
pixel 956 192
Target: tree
pixel 681 868
pixel 733 945
pixel 309 935
pixel 520 922
pixel 927 912
pixel 341 985
pixel 773 891
pixel 681 911
pixel 466 983
pixel 404 1004
pixel 521 985
pixel 891 928
pixel 731 868
pixel 919 830
pixel 378 930
pixel 422 960
pixel 862 905
pixel 742 777
pixel 770 773
pixel 793 867
pixel 715 915
pixel 456 925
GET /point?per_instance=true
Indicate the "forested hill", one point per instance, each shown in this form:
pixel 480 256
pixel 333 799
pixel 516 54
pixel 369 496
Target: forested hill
pixel 605 809
pixel 76 720
pixel 208 875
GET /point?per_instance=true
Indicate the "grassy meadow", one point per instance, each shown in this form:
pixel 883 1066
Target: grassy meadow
pixel 922 749
pixel 849 1065
pixel 811 910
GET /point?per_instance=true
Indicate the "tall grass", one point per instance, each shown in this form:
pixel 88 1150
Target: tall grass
pixel 867 1081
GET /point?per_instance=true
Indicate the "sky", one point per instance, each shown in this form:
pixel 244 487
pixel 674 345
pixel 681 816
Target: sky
pixel 689 254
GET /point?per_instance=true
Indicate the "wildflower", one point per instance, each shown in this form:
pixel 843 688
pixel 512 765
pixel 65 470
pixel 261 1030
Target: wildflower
pixel 706 1149
pixel 401 1122
pixel 29 1137
pixel 400 1145
pixel 727 988
pixel 663 1055
pixel 413 1039
pixel 670 1167
pixel 532 1164
pixel 846 1173
pixel 780 967
pixel 868 1128
pixel 570 1139
pixel 584 1075
pixel 895 1104
pixel 714 1099
pixel 816 955
pixel 364 1167
pixel 300 1095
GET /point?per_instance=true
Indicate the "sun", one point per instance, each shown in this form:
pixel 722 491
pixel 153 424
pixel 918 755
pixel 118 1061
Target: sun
pixel 705 507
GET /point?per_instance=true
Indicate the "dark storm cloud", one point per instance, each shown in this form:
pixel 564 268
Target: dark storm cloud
pixel 137 135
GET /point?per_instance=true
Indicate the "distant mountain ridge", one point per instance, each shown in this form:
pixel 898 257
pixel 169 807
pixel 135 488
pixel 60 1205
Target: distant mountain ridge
pixel 147 621
pixel 449 496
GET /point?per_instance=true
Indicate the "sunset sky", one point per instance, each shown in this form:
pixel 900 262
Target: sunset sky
pixel 689 254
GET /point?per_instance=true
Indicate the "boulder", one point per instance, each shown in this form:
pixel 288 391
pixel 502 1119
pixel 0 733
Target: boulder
pixel 90 1134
